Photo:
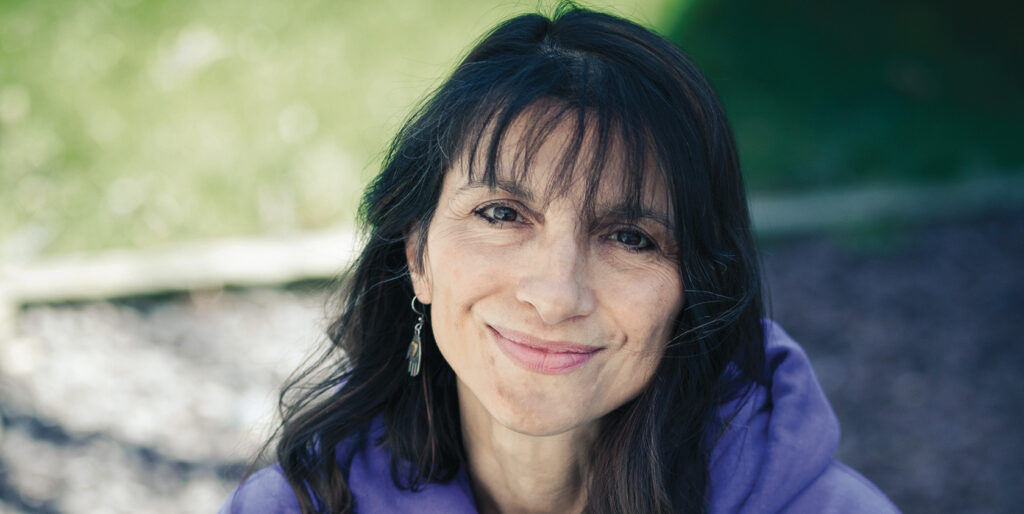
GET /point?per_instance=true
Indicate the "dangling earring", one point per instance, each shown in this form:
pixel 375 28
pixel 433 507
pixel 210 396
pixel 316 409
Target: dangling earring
pixel 415 352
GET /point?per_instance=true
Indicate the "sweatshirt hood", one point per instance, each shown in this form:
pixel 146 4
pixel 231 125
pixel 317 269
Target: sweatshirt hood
pixel 778 439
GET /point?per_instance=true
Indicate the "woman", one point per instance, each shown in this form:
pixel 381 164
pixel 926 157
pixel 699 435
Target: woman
pixel 558 308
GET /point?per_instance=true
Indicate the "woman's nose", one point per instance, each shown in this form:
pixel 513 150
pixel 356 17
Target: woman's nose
pixel 555 281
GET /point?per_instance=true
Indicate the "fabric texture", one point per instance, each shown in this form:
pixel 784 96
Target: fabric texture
pixel 776 455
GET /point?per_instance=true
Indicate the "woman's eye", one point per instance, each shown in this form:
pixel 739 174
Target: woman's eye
pixel 633 240
pixel 500 214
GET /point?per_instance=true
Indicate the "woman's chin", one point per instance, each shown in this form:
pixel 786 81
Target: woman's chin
pixel 532 411
pixel 537 421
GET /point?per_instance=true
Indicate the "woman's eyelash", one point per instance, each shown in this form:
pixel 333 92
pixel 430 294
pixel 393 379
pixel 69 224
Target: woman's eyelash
pixel 633 240
pixel 497 213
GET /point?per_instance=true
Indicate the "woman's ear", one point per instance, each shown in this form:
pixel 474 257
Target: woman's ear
pixel 420 275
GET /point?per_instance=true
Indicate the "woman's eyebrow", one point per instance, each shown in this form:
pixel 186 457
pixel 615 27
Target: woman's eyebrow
pixel 510 187
pixel 625 212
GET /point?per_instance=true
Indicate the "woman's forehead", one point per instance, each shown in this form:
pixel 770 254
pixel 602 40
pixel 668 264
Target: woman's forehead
pixel 544 154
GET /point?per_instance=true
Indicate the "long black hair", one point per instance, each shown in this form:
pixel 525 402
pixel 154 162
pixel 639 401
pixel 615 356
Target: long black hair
pixel 626 88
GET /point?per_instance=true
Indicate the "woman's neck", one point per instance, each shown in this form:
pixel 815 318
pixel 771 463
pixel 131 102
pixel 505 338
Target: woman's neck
pixel 511 472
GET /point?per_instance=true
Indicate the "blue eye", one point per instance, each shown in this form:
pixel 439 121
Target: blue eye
pixel 633 240
pixel 500 213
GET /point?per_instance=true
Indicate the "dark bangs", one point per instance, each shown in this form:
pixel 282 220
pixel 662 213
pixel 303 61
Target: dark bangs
pixel 594 146
pixel 549 78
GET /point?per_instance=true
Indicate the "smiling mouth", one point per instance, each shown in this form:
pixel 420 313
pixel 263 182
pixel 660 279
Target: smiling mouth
pixel 537 355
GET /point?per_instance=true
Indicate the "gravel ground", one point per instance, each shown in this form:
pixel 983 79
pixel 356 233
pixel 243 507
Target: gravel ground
pixel 916 337
pixel 153 404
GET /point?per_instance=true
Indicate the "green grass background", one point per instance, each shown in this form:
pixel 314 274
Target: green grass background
pixel 137 123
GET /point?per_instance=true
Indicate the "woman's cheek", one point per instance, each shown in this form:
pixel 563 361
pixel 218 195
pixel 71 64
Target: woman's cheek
pixel 489 247
pixel 649 272
pixel 473 260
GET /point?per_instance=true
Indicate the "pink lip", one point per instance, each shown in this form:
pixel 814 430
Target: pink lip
pixel 548 357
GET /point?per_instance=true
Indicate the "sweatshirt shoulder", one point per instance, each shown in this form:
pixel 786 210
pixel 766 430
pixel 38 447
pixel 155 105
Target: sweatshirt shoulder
pixel 266 491
pixel 841 490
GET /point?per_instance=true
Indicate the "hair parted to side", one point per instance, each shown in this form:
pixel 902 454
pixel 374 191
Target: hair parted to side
pixel 621 86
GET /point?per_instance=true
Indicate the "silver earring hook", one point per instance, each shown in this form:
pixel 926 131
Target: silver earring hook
pixel 413 305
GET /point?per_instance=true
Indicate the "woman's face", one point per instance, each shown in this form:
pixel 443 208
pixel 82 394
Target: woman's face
pixel 549 318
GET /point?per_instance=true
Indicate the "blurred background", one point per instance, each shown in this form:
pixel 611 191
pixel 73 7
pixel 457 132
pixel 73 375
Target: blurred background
pixel 880 141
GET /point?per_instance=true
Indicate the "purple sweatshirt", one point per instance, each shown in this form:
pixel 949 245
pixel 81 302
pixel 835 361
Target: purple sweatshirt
pixel 777 455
